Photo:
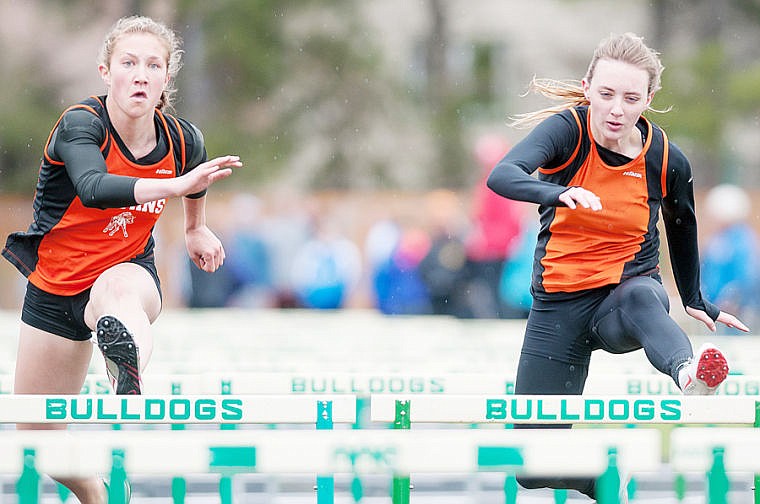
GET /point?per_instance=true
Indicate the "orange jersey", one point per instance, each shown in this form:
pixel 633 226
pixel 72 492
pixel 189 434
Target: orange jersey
pixel 70 244
pixel 587 248
pixel 582 249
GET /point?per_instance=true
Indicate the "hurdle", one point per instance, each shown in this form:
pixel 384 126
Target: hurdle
pixel 716 452
pixel 364 384
pixel 353 452
pixel 402 411
pixel 322 411
pixel 563 409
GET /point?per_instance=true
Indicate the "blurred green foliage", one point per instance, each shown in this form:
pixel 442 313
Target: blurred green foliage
pixel 301 86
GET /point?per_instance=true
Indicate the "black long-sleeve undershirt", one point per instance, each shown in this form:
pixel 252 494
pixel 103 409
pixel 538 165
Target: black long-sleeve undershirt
pixel 552 143
pixel 76 142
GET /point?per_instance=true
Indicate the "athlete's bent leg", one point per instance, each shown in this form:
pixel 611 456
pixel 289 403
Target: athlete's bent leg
pixel 541 375
pixel 128 293
pixel 635 315
pixel 49 364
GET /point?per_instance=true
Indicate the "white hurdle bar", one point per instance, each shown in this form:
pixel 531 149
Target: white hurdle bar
pixel 322 411
pixel 365 384
pixel 563 409
pixel 176 409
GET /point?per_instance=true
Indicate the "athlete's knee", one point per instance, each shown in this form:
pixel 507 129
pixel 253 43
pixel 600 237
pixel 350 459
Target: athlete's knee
pixel 644 291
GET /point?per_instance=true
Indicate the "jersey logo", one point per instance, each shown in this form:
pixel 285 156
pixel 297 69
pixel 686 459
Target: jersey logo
pixel 632 174
pixel 119 222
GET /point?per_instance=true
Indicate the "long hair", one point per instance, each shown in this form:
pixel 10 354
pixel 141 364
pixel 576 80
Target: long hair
pixel 170 40
pixel 628 48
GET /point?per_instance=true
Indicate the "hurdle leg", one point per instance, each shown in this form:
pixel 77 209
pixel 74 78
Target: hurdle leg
pixel 560 495
pixel 608 484
pixel 510 489
pixel 225 481
pixel 325 483
pixel 63 492
pixel 179 490
pixel 116 486
pixel 225 489
pixel 756 488
pixel 28 485
pixel 400 491
pixel 717 480
pixel 680 487
pixel 179 485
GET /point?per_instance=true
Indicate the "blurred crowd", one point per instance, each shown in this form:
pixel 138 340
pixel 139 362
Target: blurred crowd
pixel 469 263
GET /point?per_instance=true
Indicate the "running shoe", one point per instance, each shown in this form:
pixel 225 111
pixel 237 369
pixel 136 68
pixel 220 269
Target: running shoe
pixel 703 374
pixel 121 355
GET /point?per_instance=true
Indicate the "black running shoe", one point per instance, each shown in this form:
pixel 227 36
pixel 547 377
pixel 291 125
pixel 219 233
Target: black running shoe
pixel 121 355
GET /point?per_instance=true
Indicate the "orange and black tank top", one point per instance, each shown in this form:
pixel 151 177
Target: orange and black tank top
pixel 69 244
pixel 582 249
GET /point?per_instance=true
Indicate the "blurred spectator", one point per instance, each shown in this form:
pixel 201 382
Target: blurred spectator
pixel 730 258
pixel 395 256
pixel 444 267
pixel 326 268
pixel 514 283
pixel 207 290
pixel 493 238
pixel 285 231
pixel 248 258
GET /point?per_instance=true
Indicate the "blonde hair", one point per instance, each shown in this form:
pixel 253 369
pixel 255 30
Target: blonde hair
pixel 142 24
pixel 628 48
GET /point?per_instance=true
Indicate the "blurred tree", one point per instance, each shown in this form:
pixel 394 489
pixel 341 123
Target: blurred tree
pixel 295 84
pixel 709 87
pixel 445 103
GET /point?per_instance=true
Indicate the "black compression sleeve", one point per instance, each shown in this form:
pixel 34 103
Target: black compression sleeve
pixel 196 151
pixel 76 142
pixel 549 144
pixel 679 218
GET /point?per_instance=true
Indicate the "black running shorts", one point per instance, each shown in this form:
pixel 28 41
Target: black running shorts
pixel 64 315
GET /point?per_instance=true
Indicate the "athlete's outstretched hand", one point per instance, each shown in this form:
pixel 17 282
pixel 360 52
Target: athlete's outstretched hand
pixel 724 318
pixel 192 182
pixel 575 196
pixel 207 173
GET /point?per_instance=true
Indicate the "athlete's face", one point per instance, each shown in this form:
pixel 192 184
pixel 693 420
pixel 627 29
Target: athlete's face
pixel 618 94
pixel 137 73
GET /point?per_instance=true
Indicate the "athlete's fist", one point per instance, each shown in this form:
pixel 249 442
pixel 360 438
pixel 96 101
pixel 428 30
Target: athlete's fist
pixel 575 196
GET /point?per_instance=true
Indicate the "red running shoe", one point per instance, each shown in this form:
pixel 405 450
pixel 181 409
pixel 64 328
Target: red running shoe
pixel 704 373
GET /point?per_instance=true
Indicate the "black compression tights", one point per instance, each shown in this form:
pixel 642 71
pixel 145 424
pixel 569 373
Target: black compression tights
pixel 634 315
pixel 538 375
